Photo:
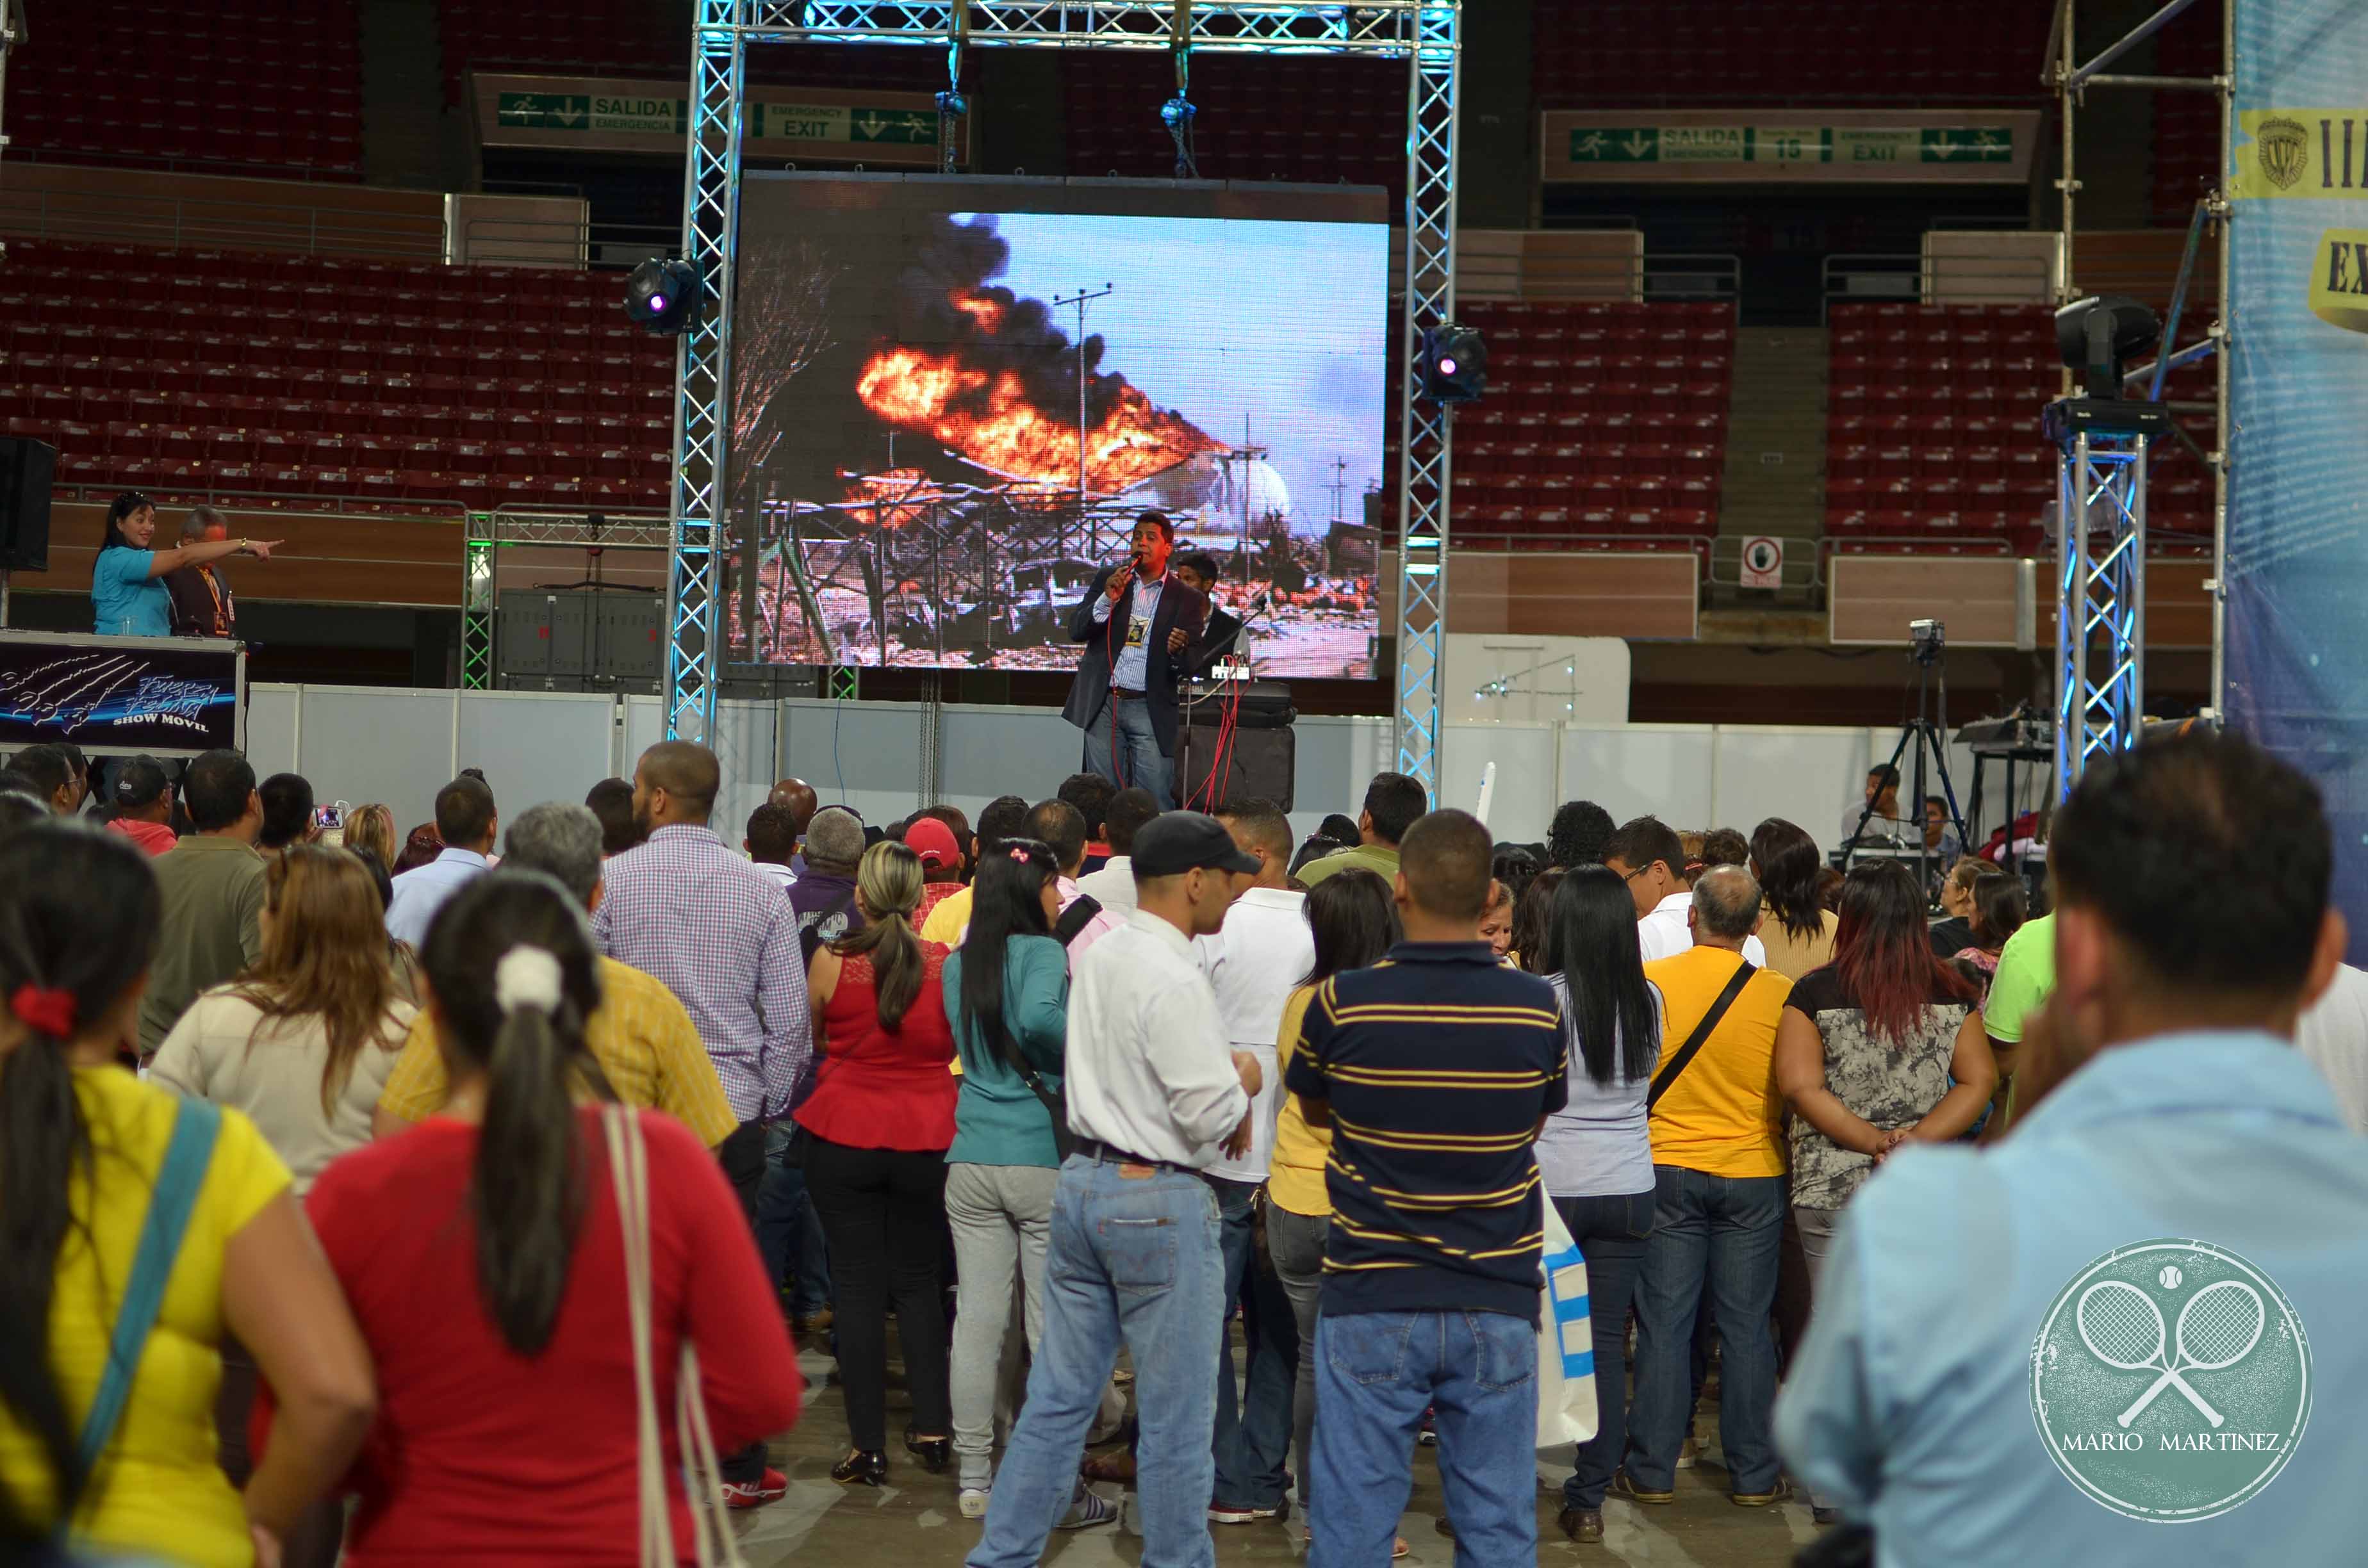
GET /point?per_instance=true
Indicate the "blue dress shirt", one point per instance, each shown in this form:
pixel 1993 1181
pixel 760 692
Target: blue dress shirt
pixel 1132 668
pixel 1910 1404
pixel 421 891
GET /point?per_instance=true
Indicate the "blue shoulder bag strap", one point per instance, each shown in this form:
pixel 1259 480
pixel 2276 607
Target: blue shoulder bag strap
pixel 186 1157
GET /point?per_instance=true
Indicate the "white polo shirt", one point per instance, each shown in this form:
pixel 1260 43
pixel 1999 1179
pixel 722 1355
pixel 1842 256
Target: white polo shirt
pixel 1148 1070
pixel 1664 934
pixel 1254 965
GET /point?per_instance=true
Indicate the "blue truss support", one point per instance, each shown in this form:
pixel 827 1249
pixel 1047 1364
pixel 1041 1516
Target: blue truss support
pixel 1425 33
pixel 710 226
pixel 2100 602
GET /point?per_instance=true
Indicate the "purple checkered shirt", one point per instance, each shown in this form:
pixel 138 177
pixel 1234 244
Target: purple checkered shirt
pixel 720 934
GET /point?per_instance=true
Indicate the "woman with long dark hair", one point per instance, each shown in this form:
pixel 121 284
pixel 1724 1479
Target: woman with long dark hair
pixel 128 594
pixel 484 1252
pixel 1999 907
pixel 1595 1153
pixel 1799 931
pixel 1881 1047
pixel 878 1124
pixel 1353 917
pixel 1007 992
pixel 90 1157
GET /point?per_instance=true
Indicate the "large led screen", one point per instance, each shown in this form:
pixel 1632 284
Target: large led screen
pixel 951 398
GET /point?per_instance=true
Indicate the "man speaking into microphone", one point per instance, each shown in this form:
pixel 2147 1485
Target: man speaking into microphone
pixel 1137 626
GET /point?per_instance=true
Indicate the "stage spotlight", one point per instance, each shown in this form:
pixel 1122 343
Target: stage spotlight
pixel 1454 363
pixel 663 296
pixel 2098 335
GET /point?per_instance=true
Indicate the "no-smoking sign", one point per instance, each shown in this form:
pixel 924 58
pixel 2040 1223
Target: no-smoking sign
pixel 1763 562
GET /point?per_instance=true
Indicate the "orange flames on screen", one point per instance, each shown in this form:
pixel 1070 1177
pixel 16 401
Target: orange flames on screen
pixel 986 415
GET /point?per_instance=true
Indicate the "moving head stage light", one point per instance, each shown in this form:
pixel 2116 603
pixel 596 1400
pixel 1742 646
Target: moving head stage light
pixel 2101 334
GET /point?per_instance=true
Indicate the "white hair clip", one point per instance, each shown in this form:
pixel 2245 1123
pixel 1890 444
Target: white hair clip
pixel 527 977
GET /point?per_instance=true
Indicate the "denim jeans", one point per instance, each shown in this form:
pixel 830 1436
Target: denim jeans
pixel 1295 1242
pixel 1139 761
pixel 1375 1373
pixel 1001 1216
pixel 1612 1233
pixel 1133 1257
pixel 789 1232
pixel 1253 1434
pixel 1722 1232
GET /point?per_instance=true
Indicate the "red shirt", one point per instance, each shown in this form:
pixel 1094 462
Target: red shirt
pixel 153 838
pixel 882 1090
pixel 481 1455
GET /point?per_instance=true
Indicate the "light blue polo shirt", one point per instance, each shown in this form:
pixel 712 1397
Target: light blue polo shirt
pixel 1911 1403
pixel 121 592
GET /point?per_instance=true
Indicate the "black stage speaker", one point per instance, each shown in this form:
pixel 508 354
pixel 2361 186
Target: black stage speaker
pixel 25 468
pixel 1260 758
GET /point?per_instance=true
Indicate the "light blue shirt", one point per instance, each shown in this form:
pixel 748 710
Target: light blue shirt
pixel 1131 669
pixel 1598 1146
pixel 421 891
pixel 1910 1404
pixel 124 600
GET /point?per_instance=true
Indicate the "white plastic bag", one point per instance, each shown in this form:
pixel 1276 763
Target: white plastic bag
pixel 1566 1341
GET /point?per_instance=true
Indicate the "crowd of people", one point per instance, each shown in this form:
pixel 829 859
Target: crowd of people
pixel 361 1256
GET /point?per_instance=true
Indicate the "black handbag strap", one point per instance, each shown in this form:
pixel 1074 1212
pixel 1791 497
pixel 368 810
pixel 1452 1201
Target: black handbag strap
pixel 1055 1106
pixel 1668 1076
pixel 1077 917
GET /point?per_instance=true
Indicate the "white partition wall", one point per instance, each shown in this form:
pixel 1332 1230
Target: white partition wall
pixel 361 744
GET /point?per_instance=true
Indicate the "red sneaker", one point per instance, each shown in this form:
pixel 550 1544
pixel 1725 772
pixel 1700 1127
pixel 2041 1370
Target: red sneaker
pixel 757 1494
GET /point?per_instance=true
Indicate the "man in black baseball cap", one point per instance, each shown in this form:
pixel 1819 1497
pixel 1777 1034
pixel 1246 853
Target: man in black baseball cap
pixel 1175 842
pixel 1154 1092
pixel 143 797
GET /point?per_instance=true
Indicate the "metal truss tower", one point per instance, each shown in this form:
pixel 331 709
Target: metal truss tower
pixel 1424 33
pixel 2101 486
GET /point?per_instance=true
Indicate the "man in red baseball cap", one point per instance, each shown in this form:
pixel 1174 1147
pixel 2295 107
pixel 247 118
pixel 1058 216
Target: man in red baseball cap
pixel 941 861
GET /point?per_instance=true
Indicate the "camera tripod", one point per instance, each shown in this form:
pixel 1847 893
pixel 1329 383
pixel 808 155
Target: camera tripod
pixel 1929 734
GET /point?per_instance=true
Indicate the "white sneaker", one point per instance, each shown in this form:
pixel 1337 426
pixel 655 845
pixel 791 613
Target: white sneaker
pixel 1091 1510
pixel 973 1501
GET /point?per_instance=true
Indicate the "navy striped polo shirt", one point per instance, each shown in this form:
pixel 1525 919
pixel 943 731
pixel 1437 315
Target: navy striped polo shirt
pixel 1437 1064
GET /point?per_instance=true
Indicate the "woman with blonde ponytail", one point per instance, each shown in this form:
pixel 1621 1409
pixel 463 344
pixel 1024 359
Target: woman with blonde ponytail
pixel 877 1127
pixel 484 1255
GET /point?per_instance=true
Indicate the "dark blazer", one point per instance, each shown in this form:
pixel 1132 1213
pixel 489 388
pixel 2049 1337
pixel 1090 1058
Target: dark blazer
pixel 1178 606
pixel 193 602
pixel 1216 641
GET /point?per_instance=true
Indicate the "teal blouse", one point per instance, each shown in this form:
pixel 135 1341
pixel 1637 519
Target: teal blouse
pixel 999 1120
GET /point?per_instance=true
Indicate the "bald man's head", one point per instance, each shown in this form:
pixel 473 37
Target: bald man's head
pixel 796 797
pixel 676 781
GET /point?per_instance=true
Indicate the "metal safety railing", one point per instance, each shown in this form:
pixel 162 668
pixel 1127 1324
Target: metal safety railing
pixel 180 222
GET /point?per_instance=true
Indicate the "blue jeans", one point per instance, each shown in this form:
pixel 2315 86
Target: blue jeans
pixel 1725 1231
pixel 1375 1373
pixel 1613 1233
pixel 1133 1257
pixel 787 1229
pixel 1139 761
pixel 1252 1441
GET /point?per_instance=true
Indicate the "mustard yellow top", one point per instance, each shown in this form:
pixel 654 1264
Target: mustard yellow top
pixel 158 1490
pixel 1295 1180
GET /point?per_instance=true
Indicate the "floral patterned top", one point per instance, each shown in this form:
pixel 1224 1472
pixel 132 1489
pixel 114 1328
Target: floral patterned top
pixel 1891 1084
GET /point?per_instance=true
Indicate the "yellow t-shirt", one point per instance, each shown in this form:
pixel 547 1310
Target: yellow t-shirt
pixel 1295 1180
pixel 1723 1116
pixel 158 1490
pixel 949 923
pixel 640 1034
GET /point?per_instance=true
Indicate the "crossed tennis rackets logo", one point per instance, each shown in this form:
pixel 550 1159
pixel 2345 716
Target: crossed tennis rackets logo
pixel 2217 1329
pixel 2213 1330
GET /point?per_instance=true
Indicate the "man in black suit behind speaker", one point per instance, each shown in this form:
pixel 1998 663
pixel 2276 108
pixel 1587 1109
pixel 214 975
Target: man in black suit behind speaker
pixel 1198 572
pixel 1137 625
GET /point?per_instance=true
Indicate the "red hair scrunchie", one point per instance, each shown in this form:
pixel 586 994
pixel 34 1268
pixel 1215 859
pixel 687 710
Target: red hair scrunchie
pixel 49 1011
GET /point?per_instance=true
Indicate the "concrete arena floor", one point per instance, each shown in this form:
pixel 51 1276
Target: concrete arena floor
pixel 913 1523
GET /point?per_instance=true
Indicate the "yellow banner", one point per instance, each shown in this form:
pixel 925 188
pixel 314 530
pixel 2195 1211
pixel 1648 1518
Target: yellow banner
pixel 2338 278
pixel 2319 154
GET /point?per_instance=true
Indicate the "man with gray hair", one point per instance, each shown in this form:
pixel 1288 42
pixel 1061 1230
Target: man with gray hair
pixel 641 1034
pixel 823 894
pixel 203 604
pixel 1718 1175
